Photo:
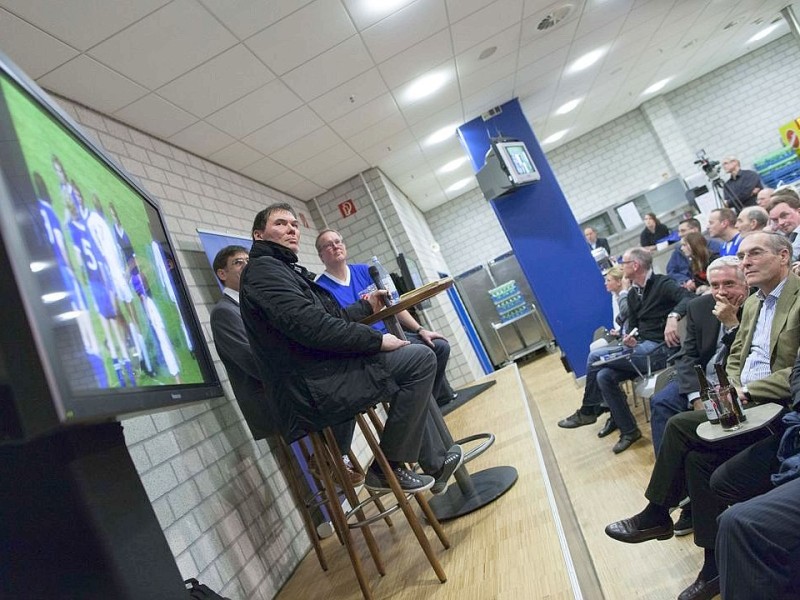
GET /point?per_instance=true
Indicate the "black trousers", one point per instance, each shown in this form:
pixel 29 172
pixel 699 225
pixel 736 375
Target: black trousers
pixel 687 462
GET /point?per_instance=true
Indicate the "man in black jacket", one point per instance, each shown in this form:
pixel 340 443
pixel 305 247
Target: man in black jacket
pixel 322 366
pixel 655 303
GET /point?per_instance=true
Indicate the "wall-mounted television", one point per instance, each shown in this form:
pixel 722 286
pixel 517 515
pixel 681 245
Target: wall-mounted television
pixel 508 165
pixel 97 321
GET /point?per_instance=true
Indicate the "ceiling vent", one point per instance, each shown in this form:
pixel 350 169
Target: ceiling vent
pixel 555 17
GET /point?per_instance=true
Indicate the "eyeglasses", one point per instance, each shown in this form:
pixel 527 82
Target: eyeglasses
pixel 332 244
pixel 238 262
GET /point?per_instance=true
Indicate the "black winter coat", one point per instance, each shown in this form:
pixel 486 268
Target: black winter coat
pixel 320 366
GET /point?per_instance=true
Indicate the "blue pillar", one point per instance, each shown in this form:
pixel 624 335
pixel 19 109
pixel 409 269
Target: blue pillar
pixel 546 240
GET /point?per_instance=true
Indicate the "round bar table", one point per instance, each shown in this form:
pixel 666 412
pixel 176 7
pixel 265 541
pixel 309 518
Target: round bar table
pixel 472 491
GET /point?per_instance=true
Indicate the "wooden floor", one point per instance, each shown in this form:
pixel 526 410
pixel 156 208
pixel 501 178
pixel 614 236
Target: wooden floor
pixel 544 538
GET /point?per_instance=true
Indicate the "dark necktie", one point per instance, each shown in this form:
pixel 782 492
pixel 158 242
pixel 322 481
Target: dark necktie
pixel 793 236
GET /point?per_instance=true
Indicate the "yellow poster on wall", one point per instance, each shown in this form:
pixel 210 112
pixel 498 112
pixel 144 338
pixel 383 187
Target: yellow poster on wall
pixel 790 135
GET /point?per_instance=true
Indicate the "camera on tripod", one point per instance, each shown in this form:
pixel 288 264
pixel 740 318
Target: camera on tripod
pixel 710 167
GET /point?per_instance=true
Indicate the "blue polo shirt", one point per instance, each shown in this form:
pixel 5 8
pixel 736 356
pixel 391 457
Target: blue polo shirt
pixel 360 285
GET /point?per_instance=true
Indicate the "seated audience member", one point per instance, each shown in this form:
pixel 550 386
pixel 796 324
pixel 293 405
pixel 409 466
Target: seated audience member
pixel 654 230
pixel 764 197
pixel 655 303
pixel 595 242
pixel 695 249
pixel 759 364
pixel 711 324
pixel 678 267
pixel 233 347
pixel 321 366
pixel 742 187
pixel 617 285
pixel 784 213
pixel 752 218
pixel 348 283
pixel 721 225
pixel 758 545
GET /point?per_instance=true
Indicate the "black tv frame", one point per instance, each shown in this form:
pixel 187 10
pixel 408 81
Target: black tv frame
pixel 34 395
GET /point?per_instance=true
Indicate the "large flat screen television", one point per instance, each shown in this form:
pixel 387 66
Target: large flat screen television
pixel 97 321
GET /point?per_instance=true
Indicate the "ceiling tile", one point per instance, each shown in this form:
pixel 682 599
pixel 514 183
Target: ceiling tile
pixel 373 134
pixel 533 47
pixel 429 203
pixel 414 113
pixel 506 44
pixel 156 116
pixel 255 110
pixel 458 9
pixel 285 181
pixel 324 160
pixel 493 94
pixel 81 23
pixel 330 69
pixel 379 152
pixel 201 138
pixel 306 146
pixel 365 14
pixel 485 77
pixel 418 59
pixel 263 169
pixel 453 114
pixel 246 17
pixel 283 131
pixel 305 190
pixel 163 45
pixel 236 156
pixel 485 23
pixel 87 81
pixel 370 113
pixel 349 96
pixel 405 28
pixel 597 15
pixel 33 50
pixel 234 73
pixel 340 172
pixel 287 44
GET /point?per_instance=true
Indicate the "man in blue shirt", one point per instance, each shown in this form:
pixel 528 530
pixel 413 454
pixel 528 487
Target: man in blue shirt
pixel 349 283
pixel 722 225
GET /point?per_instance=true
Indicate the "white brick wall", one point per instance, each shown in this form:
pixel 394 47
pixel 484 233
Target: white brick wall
pixel 219 496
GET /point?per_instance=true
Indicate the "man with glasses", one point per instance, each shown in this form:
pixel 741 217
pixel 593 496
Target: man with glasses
pixel 655 304
pixel 759 365
pixel 350 282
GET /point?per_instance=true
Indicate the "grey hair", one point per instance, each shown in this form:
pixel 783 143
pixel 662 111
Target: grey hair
pixel 774 241
pixel 641 255
pixel 757 214
pixel 724 262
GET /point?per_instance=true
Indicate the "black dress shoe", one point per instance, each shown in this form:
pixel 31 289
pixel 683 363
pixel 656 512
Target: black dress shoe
pixel 609 428
pixel 578 419
pixel 701 589
pixel 628 531
pixel 625 441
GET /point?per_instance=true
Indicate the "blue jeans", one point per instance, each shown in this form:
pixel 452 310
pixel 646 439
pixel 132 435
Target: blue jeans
pixel 663 405
pixel 610 375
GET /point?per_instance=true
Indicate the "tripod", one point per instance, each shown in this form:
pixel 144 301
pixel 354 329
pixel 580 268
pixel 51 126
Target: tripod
pixel 718 189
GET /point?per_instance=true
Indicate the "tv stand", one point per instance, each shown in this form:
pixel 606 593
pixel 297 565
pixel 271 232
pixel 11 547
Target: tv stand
pixel 75 521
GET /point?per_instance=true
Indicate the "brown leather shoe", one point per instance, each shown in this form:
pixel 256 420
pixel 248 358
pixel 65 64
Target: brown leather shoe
pixel 628 531
pixel 701 589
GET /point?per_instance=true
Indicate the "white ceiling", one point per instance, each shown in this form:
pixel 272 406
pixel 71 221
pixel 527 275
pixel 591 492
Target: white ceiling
pixel 303 94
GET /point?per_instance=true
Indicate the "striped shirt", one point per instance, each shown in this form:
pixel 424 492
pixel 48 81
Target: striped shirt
pixel 757 365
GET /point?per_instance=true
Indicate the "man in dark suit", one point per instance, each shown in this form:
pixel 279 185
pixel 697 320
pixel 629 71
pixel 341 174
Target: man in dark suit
pixel 233 347
pixel 759 364
pixel 595 242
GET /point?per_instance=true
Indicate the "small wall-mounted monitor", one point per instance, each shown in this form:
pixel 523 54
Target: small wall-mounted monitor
pixel 508 165
pixel 97 321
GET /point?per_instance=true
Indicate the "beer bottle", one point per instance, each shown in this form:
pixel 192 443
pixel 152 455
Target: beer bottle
pixel 737 402
pixel 705 397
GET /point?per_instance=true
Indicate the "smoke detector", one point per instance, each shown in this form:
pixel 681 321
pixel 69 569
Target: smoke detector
pixel 555 17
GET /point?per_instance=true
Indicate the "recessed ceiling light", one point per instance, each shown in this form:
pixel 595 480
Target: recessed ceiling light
pixel 384 6
pixel 555 137
pixel 568 106
pixel 586 61
pixel 487 52
pixel 445 133
pixel 657 86
pixel 764 32
pixel 453 165
pixel 460 184
pixel 425 86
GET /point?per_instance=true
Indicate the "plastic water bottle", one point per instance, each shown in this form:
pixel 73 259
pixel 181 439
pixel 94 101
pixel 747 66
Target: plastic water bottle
pixel 386 280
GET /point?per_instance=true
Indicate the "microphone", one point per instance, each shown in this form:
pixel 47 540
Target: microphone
pixel 376 279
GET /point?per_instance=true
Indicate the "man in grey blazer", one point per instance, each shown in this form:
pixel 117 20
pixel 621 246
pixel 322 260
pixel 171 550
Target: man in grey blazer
pixel 759 365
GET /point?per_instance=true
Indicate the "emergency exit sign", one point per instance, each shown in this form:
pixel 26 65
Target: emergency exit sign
pixel 347 208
